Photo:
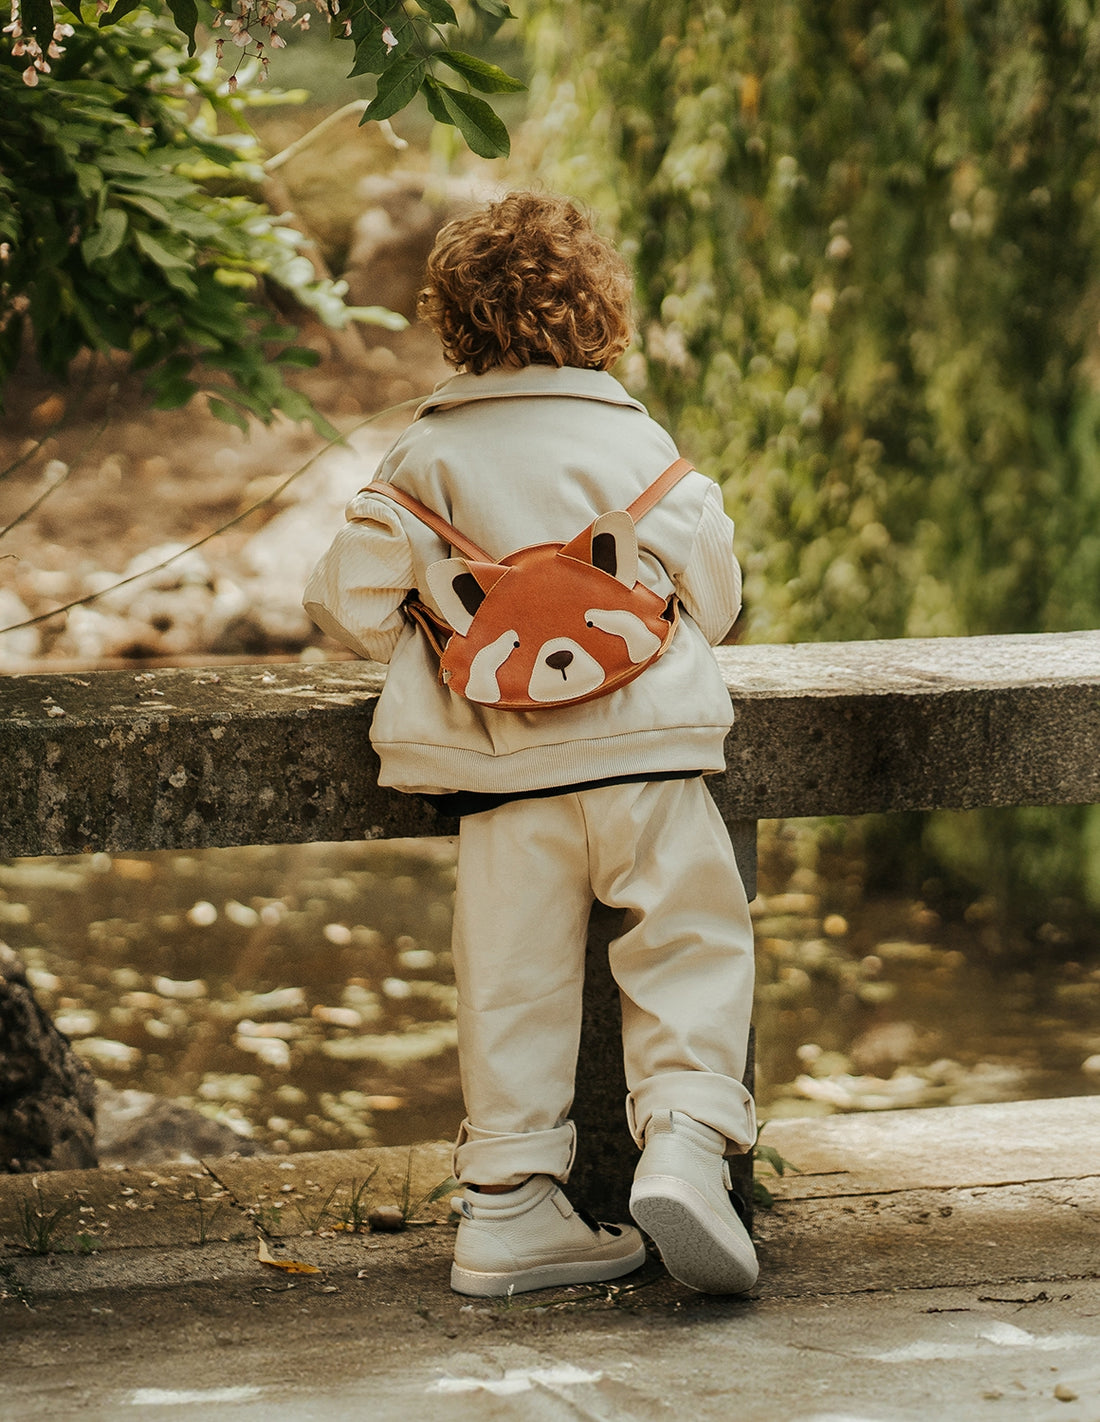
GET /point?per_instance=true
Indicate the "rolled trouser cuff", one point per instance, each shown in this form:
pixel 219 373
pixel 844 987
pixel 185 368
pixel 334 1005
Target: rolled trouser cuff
pixel 498 1158
pixel 720 1102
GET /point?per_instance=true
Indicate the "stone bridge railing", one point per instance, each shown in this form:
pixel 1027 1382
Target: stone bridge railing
pixel 185 759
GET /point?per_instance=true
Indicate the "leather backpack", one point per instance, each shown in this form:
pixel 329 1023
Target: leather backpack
pixel 553 624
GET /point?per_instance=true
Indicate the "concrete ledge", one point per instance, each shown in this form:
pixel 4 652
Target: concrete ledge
pixel 939 723
pixel 186 759
pixel 193 758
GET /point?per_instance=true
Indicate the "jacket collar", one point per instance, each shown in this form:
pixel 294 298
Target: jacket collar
pixel 530 380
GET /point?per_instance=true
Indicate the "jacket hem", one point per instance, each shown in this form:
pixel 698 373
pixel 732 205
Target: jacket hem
pixel 419 769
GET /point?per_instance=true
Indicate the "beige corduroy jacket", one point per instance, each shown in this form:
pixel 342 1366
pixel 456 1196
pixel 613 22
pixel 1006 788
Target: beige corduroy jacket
pixel 515 457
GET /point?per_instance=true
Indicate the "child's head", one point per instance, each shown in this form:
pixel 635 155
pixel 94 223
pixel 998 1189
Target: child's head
pixel 527 281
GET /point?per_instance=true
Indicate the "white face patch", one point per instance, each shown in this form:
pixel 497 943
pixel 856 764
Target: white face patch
pixel 483 686
pixel 640 641
pixel 563 670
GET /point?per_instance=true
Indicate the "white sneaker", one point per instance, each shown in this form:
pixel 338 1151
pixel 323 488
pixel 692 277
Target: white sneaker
pixel 681 1199
pixel 532 1238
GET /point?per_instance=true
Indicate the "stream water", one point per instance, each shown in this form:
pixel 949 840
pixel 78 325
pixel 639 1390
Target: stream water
pixel 304 996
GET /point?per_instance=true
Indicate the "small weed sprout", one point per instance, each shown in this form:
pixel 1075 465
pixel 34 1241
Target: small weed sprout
pixel 206 1218
pixel 761 1195
pixel 269 1218
pixel 315 1217
pixel 410 1211
pixel 354 1213
pixel 37 1224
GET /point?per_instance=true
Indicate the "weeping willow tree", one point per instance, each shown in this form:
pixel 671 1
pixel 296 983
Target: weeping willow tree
pixel 867 250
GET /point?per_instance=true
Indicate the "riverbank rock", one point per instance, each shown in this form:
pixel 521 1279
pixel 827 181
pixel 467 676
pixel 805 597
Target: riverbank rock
pixel 47 1094
pixel 136 1128
pixel 20 646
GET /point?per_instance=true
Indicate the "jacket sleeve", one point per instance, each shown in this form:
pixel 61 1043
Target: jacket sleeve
pixel 355 592
pixel 710 585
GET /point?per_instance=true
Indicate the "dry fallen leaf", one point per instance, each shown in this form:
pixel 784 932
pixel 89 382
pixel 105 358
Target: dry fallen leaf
pixel 289 1266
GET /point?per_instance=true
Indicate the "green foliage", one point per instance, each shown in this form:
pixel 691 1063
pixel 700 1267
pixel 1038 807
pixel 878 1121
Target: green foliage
pixel 866 244
pixel 400 43
pixel 129 219
pixel 405 48
pixel 126 228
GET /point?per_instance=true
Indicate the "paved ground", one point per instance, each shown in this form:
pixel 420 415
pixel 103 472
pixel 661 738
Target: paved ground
pixel 921 1265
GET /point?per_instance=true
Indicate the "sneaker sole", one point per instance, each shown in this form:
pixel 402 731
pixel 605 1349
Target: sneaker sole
pixel 697 1246
pixel 487 1285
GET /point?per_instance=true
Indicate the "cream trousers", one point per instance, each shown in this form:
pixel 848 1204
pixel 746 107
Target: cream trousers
pixel 527 875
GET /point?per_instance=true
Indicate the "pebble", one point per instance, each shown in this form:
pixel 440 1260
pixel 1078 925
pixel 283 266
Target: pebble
pixel 241 914
pixel 189 991
pixel 338 1016
pixel 386 1219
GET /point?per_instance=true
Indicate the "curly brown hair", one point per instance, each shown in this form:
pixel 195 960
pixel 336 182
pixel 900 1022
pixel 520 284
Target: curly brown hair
pixel 527 281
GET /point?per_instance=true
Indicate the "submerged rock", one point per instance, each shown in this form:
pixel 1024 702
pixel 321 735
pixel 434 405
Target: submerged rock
pixel 138 1128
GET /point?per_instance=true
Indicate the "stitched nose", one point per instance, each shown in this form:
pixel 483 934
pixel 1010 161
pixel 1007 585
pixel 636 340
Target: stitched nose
pixel 558 661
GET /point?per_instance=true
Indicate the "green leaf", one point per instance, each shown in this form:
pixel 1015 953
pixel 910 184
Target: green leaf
pixel 181 281
pixel 434 100
pixel 492 14
pixel 397 87
pixel 105 239
pixel 156 251
pixel 171 393
pixel 156 184
pixel 121 9
pixel 149 205
pixel 301 356
pixel 475 120
pixel 227 414
pixel 88 179
pixel 488 78
pixel 38 17
pixel 186 15
pixel 439 10
pixel 373 55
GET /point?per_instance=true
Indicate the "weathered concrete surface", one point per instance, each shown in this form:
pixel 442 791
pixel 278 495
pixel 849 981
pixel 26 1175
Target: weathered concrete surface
pixel 190 758
pixel 182 1205
pixel 195 758
pixel 950 723
pixel 1013 1142
pixel 895 1299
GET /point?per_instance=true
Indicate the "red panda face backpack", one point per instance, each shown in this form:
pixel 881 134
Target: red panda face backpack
pixel 550 625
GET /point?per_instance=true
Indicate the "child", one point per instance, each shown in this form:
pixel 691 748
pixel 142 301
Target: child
pixel 528 444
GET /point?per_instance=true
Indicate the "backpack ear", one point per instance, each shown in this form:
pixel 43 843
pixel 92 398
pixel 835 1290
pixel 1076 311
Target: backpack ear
pixel 615 546
pixel 459 587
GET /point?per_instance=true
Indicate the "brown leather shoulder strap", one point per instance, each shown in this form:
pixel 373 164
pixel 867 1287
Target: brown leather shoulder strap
pixel 434 521
pixel 447 531
pixel 659 488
